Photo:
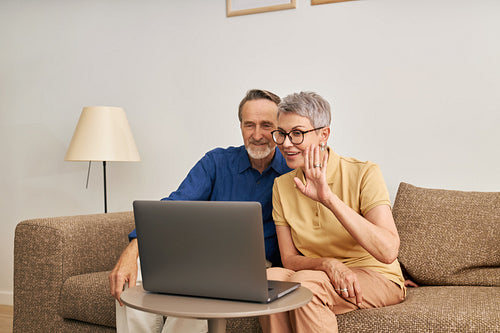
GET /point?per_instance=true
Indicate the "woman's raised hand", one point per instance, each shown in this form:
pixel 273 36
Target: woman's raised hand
pixel 316 186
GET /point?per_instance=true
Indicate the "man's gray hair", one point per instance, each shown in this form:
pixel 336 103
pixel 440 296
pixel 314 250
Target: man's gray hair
pixel 257 94
pixel 307 104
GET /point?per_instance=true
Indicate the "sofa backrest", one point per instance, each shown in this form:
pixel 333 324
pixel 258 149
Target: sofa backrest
pixel 449 237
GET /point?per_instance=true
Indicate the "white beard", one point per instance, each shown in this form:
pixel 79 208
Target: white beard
pixel 259 153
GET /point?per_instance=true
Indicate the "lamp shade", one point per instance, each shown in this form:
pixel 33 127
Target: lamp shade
pixel 102 134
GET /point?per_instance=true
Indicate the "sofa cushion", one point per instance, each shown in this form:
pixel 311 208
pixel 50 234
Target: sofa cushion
pixel 449 237
pixel 86 298
pixel 431 309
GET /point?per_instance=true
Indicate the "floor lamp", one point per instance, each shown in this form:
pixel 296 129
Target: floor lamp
pixel 102 134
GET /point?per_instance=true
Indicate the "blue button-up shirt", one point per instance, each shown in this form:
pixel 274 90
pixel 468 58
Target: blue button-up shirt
pixel 227 175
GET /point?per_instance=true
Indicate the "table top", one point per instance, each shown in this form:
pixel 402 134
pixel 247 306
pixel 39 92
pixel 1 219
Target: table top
pixel 207 308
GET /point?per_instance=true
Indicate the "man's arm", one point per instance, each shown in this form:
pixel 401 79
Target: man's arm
pixel 124 271
pixel 196 186
pixel 199 182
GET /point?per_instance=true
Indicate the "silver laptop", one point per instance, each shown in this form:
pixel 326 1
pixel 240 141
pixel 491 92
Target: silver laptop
pixel 205 249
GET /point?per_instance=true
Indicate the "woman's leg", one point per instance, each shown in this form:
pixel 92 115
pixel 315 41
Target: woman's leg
pixel 319 314
pixel 313 317
pixel 316 316
pixel 279 322
pixel 377 291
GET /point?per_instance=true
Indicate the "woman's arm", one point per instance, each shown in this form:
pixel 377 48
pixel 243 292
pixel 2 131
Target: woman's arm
pixel 376 231
pixel 343 279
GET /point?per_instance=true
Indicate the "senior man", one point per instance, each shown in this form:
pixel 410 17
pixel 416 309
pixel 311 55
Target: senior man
pixel 244 173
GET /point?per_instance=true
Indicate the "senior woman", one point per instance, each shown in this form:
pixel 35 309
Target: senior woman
pixel 334 224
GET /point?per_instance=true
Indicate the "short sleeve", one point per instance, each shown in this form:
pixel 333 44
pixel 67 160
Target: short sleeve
pixel 373 189
pixel 278 217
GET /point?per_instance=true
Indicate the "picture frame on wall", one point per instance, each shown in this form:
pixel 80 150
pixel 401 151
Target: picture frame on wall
pixel 320 2
pixel 245 7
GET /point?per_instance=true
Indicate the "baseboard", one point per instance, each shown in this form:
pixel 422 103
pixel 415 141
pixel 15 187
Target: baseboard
pixel 6 298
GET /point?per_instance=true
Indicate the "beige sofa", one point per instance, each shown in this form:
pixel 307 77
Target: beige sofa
pixel 450 244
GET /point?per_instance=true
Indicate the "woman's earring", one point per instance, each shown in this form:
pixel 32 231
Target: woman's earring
pixel 322 146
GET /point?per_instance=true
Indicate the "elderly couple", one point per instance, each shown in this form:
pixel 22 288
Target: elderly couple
pixel 327 220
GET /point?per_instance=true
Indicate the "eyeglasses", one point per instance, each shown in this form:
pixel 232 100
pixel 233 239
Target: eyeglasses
pixel 296 136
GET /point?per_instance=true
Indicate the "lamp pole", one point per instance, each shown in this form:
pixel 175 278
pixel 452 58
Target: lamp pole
pixel 105 197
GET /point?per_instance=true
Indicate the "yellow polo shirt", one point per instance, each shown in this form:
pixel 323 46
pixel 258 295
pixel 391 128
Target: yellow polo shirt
pixel 316 232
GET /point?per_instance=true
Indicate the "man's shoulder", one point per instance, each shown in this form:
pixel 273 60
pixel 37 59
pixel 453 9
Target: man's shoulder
pixel 229 158
pixel 227 152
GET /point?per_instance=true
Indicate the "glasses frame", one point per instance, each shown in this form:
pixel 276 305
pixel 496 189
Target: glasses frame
pixel 290 138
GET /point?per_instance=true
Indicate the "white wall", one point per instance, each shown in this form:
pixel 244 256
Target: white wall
pixel 414 86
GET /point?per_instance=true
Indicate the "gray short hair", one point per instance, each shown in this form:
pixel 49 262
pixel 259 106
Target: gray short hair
pixel 257 94
pixel 307 104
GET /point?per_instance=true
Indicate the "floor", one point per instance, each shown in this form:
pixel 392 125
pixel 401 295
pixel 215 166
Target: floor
pixel 6 313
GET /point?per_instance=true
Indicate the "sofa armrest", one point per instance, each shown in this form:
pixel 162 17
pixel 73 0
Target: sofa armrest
pixel 48 251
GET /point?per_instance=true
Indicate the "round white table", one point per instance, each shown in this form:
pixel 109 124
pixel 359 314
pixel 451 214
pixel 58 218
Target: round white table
pixel 216 311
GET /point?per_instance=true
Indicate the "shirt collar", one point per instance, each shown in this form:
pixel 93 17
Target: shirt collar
pixel 244 160
pixel 278 163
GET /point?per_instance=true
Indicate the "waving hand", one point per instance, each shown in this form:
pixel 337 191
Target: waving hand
pixel 316 186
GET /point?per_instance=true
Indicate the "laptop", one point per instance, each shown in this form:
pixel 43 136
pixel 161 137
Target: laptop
pixel 206 249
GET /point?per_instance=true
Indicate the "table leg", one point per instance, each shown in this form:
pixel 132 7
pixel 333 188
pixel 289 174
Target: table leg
pixel 217 325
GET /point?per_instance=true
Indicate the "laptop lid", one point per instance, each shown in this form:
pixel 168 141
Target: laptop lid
pixel 203 248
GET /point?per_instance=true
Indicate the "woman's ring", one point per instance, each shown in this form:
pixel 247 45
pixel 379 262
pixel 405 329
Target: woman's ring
pixel 344 290
pixel 317 165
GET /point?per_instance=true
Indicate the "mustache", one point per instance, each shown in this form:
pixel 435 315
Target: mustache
pixel 258 142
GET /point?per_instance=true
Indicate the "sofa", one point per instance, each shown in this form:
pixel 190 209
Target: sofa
pixel 450 246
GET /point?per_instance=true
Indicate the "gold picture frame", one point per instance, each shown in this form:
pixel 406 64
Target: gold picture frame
pixel 321 2
pixel 245 7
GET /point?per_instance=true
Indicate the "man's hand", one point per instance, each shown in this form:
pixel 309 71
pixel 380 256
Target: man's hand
pixel 124 271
